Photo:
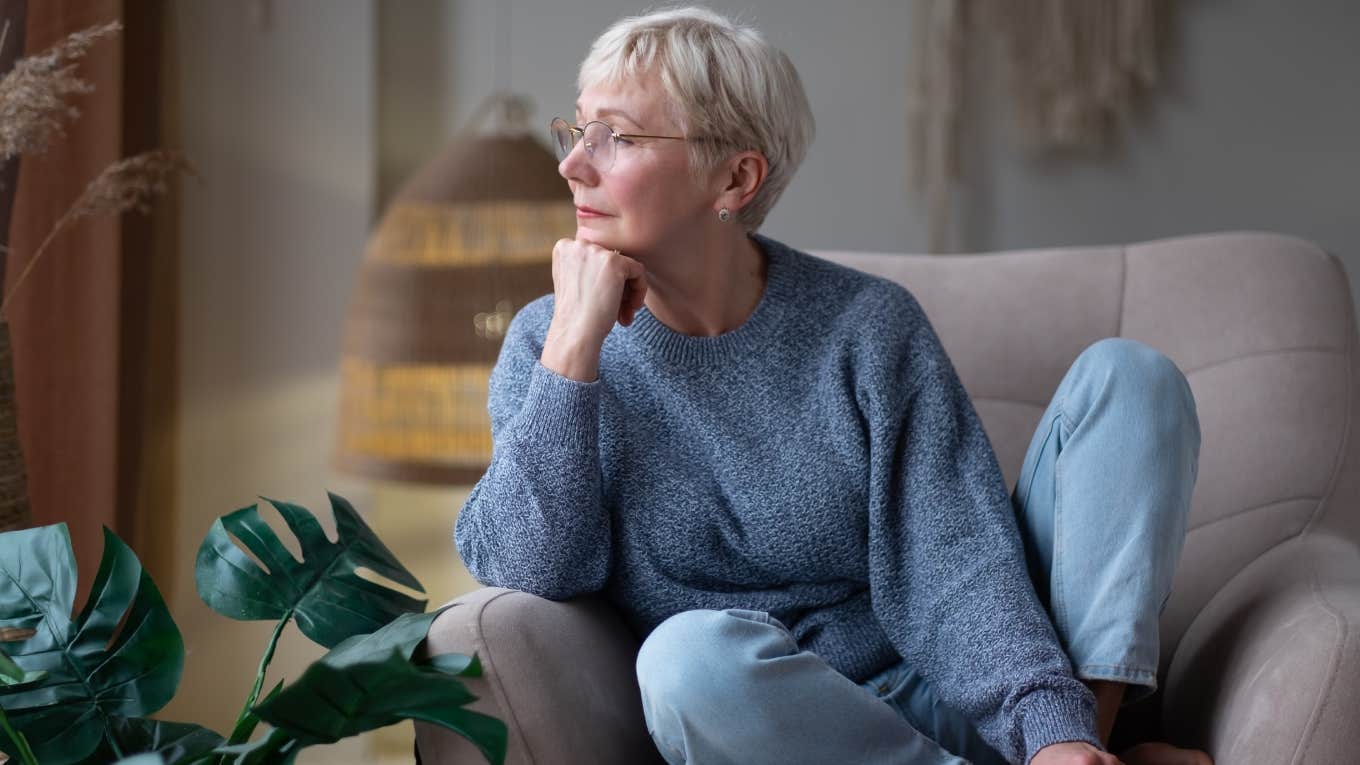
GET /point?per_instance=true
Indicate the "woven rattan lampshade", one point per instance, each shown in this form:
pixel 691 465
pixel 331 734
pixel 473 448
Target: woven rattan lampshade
pixel 464 244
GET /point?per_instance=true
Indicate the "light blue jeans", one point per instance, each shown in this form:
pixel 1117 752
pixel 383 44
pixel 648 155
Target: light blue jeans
pixel 1101 503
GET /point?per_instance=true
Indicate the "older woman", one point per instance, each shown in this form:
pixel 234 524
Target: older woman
pixel 768 463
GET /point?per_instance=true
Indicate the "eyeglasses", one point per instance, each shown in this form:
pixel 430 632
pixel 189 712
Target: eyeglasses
pixel 601 141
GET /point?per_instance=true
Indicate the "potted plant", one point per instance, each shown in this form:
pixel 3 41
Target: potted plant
pixel 80 689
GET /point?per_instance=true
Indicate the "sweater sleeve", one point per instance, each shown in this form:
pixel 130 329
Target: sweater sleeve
pixel 947 572
pixel 535 521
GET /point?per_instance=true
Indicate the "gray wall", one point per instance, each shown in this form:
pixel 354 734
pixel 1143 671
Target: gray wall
pixel 1255 129
pixel 279 119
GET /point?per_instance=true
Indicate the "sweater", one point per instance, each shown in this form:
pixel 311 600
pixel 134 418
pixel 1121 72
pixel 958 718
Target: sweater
pixel 822 462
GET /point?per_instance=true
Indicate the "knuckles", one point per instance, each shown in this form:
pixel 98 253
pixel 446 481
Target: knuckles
pixel 584 250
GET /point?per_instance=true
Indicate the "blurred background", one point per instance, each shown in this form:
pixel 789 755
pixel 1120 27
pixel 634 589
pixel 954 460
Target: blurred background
pixel 305 118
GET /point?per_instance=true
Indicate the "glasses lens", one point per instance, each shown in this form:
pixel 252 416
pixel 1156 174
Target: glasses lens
pixel 561 137
pixel 599 141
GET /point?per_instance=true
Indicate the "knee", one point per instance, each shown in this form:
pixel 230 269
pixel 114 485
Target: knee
pixel 1134 361
pixel 1139 370
pixel 703 656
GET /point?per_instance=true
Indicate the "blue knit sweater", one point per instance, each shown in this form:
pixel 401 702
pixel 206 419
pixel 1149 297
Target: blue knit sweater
pixel 822 462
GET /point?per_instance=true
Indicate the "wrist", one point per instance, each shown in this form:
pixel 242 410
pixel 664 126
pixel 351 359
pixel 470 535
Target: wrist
pixel 1050 716
pixel 571 355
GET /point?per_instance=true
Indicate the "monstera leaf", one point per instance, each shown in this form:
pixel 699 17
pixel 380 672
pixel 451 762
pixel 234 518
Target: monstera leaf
pixel 157 741
pixel 369 681
pixel 121 657
pixel 276 747
pixel 142 759
pixel 323 593
pixel 13 676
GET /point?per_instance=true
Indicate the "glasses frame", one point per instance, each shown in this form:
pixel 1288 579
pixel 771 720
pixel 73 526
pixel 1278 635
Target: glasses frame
pixel 578 134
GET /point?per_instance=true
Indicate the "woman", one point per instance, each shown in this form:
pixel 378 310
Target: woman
pixel 772 469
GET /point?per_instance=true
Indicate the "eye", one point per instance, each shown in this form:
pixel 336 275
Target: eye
pixel 625 141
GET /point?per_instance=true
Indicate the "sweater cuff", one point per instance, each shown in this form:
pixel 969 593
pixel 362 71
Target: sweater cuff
pixel 1051 717
pixel 559 411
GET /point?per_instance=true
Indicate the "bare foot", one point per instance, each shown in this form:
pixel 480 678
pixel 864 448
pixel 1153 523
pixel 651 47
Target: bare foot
pixel 1160 753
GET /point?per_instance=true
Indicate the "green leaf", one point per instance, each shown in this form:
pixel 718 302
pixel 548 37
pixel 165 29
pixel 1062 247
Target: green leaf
pixel 274 748
pixel 12 676
pixel 369 681
pixel 142 759
pixel 324 592
pixel 172 743
pixel 95 668
pixel 250 719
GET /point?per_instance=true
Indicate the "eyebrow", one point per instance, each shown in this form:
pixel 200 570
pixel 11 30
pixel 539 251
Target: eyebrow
pixel 619 112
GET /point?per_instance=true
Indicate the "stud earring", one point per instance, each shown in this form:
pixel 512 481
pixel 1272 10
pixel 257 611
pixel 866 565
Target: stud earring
pixel 724 215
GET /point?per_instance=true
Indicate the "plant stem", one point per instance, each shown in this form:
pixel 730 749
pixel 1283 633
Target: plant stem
pixel 113 742
pixel 264 664
pixel 25 753
pixel 62 223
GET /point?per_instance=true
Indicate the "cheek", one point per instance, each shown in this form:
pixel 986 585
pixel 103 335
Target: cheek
pixel 657 199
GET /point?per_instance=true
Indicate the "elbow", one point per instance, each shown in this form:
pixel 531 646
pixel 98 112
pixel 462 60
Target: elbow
pixel 561 577
pixel 540 583
pixel 546 573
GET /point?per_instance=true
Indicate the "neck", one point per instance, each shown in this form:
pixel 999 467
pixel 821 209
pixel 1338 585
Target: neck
pixel 707 285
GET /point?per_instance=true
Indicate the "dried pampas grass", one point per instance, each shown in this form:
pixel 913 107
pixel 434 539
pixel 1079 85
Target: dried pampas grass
pixel 34 94
pixel 129 184
pixel 126 185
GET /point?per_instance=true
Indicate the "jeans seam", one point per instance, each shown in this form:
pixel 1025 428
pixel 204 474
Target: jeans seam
pixel 1125 667
pixel 1060 617
pixel 1024 501
pixel 1128 676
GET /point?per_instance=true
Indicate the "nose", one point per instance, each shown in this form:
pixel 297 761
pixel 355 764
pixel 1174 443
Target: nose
pixel 576 166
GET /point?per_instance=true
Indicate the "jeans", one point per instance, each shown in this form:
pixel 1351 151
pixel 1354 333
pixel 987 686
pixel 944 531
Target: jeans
pixel 1101 503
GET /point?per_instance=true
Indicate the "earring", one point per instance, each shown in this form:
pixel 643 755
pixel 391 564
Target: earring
pixel 724 215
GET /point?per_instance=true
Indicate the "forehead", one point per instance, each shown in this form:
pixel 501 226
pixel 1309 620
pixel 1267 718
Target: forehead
pixel 637 102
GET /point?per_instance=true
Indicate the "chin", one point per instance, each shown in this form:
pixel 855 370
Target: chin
pixel 603 236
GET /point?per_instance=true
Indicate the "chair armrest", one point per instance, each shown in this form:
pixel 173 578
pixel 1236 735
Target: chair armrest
pixel 1269 671
pixel 561 675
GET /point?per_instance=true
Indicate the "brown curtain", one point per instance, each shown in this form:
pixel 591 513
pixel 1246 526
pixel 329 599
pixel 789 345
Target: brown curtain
pixel 93 326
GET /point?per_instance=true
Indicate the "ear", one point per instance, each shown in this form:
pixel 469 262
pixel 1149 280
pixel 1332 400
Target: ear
pixel 741 176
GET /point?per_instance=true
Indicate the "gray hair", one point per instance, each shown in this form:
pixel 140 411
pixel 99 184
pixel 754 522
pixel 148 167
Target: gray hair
pixel 726 85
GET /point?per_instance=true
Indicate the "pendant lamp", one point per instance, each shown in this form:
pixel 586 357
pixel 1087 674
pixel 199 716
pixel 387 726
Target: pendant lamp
pixel 463 245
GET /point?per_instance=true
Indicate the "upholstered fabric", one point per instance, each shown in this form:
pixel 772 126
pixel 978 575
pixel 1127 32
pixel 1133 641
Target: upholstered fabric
pixel 1261 639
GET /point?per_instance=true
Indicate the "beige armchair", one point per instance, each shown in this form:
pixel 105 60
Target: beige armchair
pixel 1260 657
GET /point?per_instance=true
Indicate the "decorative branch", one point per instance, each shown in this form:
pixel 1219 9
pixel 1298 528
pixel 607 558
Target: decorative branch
pixel 128 184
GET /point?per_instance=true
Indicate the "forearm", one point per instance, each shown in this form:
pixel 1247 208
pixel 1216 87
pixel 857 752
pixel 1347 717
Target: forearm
pixel 536 521
pixel 539 528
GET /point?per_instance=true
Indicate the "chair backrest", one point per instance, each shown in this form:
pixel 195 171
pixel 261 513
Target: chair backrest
pixel 1262 325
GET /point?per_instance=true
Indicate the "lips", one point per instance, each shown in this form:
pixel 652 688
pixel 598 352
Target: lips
pixel 582 209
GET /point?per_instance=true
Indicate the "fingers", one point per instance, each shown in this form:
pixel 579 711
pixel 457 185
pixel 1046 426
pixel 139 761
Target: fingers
pixel 598 270
pixel 634 294
pixel 638 290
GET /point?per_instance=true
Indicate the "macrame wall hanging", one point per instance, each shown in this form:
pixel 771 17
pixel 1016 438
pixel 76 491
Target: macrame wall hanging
pixel 1074 68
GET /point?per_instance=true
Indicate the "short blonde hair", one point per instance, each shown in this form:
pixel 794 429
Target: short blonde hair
pixel 726 84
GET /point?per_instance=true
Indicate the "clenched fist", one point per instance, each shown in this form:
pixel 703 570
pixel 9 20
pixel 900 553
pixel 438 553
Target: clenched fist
pixel 593 288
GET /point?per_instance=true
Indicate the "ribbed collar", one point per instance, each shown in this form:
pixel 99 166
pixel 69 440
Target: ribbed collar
pixel 647 331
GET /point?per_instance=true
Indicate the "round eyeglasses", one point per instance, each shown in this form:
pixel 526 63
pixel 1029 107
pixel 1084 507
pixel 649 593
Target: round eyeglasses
pixel 600 138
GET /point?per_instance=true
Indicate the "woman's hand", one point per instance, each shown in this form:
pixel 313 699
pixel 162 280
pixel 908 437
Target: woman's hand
pixel 593 288
pixel 1073 753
